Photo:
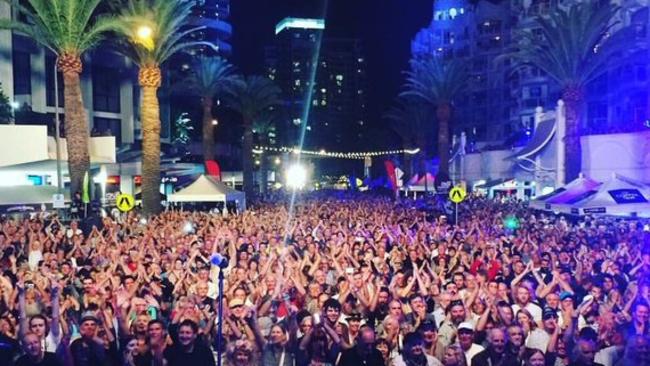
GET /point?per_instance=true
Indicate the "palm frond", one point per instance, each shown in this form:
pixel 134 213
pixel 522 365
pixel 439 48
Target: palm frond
pixel 573 46
pixel 435 80
pixel 63 26
pixel 167 20
pixel 251 96
pixel 210 76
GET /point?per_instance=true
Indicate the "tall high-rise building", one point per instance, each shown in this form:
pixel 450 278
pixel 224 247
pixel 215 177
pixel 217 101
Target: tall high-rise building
pixel 497 104
pixel 322 82
pixel 213 15
pixel 474 35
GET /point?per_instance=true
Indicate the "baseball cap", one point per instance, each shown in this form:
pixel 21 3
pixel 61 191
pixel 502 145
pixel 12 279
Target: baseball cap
pixel 353 316
pixel 88 316
pixel 549 313
pixel 565 295
pixel 466 326
pixel 235 302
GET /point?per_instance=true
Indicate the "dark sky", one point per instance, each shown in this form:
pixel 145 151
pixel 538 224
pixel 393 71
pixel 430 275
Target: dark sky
pixel 385 28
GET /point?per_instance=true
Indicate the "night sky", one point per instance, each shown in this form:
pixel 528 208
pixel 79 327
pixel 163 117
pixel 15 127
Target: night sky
pixel 385 27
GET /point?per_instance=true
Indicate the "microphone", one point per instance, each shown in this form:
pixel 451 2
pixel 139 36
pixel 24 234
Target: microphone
pixel 218 260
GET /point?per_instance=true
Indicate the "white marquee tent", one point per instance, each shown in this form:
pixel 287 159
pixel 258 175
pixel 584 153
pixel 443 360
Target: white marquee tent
pixel 562 198
pixel 208 189
pixel 618 196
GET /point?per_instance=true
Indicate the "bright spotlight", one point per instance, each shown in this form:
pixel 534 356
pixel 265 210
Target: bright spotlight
pixel 144 32
pixel 296 176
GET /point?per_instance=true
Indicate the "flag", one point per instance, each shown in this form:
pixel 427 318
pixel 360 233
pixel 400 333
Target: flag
pixel 85 193
pixel 390 171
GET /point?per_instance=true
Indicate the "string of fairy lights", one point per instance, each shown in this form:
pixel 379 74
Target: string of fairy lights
pixel 333 154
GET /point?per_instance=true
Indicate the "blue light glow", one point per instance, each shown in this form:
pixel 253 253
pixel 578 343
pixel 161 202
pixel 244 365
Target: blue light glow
pixel 304 23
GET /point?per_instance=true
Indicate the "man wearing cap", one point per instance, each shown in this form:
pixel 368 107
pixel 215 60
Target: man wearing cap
pixel 465 339
pixel 456 314
pixel 87 350
pixel 354 324
pixel 413 353
pixel 539 340
pixel 432 345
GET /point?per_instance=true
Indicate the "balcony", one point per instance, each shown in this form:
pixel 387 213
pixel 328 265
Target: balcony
pixel 23 146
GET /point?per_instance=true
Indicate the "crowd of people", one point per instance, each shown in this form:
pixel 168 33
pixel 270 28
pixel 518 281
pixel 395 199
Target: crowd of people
pixel 341 282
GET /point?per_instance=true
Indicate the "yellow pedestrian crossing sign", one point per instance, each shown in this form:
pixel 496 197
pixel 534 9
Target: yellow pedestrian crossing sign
pixel 124 202
pixel 457 194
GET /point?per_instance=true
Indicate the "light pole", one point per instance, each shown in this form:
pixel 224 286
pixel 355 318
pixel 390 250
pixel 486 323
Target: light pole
pixel 57 132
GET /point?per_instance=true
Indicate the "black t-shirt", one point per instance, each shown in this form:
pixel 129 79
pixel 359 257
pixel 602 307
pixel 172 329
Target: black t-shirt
pixel 8 350
pixel 49 359
pixel 351 357
pixel 200 355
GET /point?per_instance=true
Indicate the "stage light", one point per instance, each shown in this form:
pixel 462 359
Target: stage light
pixel 296 176
pixel 511 223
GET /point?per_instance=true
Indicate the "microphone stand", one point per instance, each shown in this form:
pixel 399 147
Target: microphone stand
pixel 220 319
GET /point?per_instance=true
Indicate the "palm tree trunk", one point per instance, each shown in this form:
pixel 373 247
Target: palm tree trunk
pixel 247 160
pixel 443 114
pixel 573 103
pixel 208 129
pixel 264 171
pixel 76 124
pixel 150 115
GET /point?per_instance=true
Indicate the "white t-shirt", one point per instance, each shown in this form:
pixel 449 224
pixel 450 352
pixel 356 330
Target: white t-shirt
pixel 473 351
pixel 533 309
pixel 538 339
pixel 50 342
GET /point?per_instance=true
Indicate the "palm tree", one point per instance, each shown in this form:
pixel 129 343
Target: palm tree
pixel 68 28
pixel 572 46
pixel 437 82
pixel 209 78
pixel 153 32
pixel 251 96
pixel 412 120
pixel 264 124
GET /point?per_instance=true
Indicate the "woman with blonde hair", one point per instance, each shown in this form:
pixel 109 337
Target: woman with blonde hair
pixel 454 356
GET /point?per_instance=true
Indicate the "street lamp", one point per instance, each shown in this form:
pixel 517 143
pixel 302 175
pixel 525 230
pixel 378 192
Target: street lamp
pixel 144 34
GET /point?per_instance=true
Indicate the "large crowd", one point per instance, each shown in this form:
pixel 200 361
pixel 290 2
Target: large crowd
pixel 342 282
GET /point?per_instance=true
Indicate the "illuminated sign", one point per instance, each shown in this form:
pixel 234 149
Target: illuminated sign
pixel 302 23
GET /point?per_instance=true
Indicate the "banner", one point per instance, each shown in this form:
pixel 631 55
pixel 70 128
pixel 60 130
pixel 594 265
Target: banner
pixel 390 171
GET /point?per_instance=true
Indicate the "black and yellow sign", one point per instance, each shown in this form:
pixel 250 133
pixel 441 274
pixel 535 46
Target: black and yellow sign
pixel 125 202
pixel 457 194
